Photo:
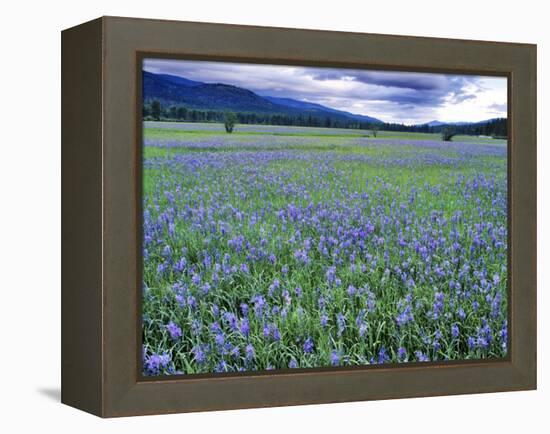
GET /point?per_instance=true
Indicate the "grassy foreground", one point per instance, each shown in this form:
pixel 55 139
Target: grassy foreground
pixel 273 250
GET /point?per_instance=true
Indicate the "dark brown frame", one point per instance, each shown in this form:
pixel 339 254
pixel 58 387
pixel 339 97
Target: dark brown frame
pixel 101 196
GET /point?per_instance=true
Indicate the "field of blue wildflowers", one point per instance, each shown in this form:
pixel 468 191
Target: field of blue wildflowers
pixel 293 250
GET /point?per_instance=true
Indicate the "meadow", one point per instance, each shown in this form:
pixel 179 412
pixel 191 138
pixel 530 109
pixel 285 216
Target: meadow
pixel 292 247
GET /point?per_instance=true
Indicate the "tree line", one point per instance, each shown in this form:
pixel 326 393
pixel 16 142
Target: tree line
pixel 156 111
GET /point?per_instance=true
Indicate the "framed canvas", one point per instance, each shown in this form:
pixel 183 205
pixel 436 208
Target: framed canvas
pixel 258 216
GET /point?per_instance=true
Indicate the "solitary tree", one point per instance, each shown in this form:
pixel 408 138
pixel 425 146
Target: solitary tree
pixel 374 128
pixel 229 120
pixel 447 134
pixel 155 110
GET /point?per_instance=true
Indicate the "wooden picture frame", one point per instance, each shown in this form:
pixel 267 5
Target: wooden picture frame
pixel 101 196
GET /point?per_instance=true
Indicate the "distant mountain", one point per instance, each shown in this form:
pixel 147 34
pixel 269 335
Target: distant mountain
pixel 179 80
pixel 304 105
pixel 439 123
pixel 289 102
pixel 434 123
pixel 179 91
pixel 496 127
pixel 193 94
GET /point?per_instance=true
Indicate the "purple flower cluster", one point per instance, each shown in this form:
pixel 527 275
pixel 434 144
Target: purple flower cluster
pixel 289 256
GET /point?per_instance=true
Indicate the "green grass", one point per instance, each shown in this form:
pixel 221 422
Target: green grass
pixel 183 134
pixel 199 199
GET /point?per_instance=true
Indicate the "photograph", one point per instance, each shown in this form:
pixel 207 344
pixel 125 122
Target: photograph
pixel 280 218
pixel 307 217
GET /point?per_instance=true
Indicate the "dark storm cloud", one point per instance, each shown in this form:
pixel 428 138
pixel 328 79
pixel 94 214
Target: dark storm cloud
pixel 461 97
pixel 425 89
pixel 404 80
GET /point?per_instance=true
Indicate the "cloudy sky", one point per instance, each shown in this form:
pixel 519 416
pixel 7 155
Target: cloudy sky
pixel 403 97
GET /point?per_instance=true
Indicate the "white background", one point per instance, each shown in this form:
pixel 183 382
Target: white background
pixel 30 215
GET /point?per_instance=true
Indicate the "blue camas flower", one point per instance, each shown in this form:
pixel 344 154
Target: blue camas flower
pixel 308 345
pixel 156 364
pixel 288 250
pixel 174 330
